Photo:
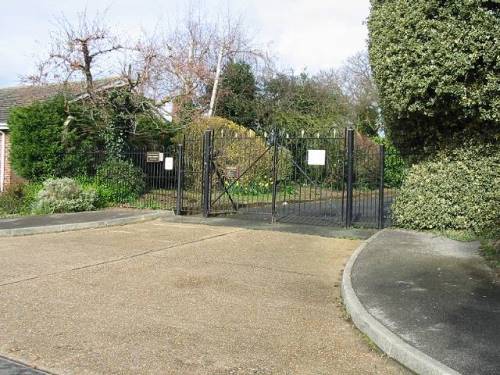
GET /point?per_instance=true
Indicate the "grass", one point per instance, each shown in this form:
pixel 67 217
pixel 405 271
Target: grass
pixel 490 250
pixel 458 235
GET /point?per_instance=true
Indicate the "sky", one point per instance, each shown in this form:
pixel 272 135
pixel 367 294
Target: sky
pixel 302 34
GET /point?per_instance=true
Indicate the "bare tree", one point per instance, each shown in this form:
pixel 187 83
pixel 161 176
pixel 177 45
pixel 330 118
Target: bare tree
pixel 180 65
pixel 356 77
pixel 357 92
pixel 83 48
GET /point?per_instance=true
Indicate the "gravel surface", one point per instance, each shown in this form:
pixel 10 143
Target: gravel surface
pixel 180 298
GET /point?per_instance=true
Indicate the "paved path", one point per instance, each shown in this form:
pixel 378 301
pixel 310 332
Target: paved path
pixel 436 294
pixel 180 298
pixel 73 221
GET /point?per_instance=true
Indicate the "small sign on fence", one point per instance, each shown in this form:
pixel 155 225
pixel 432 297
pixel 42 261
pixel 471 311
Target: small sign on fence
pixel 169 164
pixel 316 157
pixel 154 157
pixel 232 173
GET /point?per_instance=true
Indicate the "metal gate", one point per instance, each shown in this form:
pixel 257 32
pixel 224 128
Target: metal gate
pixel 321 180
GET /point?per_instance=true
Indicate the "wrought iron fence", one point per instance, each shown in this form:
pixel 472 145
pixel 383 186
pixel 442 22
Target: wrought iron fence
pixel 322 180
pixel 137 178
pixel 315 180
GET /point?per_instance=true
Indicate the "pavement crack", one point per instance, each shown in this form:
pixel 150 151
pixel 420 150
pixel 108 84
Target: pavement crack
pixel 125 258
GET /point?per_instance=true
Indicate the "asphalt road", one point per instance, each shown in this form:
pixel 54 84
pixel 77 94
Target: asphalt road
pixel 437 294
pixel 327 212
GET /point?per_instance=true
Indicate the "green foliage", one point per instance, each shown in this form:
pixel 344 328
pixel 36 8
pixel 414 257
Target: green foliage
pixel 39 139
pixel 118 181
pixel 186 112
pixel 237 147
pixel 18 199
pixel 258 188
pixel 490 249
pixel 236 98
pixel 295 103
pixel 54 138
pixel 63 195
pixel 436 67
pixel 151 132
pixel 129 119
pixel 395 167
pixel 456 190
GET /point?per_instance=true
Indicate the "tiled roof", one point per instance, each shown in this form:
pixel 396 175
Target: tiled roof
pixel 25 95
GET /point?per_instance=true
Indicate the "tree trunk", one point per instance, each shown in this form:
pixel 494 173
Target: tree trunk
pixel 216 81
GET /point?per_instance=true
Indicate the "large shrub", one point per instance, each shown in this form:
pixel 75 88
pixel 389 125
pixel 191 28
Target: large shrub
pixel 457 190
pixel 42 145
pixel 436 66
pixel 64 195
pixel 119 181
pixel 238 147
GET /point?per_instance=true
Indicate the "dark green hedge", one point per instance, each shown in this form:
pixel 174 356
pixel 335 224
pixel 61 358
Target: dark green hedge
pixel 41 146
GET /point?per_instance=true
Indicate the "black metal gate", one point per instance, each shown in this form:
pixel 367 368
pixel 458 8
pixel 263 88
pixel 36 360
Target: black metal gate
pixel 322 180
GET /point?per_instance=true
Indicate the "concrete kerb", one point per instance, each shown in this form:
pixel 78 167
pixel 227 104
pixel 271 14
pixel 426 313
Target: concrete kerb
pixel 18 367
pixel 390 343
pixel 85 225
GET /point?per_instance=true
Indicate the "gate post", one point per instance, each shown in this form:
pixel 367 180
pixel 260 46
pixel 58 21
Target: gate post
pixel 275 176
pixel 350 172
pixel 207 162
pixel 381 188
pixel 180 178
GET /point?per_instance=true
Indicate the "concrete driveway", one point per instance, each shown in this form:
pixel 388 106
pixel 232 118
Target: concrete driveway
pixel 163 297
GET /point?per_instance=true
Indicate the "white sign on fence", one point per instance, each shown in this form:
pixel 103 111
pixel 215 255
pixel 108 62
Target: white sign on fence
pixel 169 164
pixel 316 157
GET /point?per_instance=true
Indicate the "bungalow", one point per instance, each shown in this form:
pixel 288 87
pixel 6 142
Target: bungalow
pixel 25 95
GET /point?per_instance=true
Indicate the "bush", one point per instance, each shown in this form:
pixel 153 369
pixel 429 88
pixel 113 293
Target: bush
pixel 435 64
pixel 18 199
pixel 238 147
pixel 41 144
pixel 456 190
pixel 119 181
pixel 395 167
pixel 64 195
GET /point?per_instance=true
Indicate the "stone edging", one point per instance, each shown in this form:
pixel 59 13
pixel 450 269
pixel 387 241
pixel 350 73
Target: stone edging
pixel 390 343
pixel 85 225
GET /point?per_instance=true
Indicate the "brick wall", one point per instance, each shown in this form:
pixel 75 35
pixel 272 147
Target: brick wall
pixel 9 176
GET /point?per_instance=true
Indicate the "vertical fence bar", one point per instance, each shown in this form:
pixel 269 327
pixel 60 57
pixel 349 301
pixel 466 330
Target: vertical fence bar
pixel 180 178
pixel 275 176
pixel 350 170
pixel 343 175
pixel 381 188
pixel 207 161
